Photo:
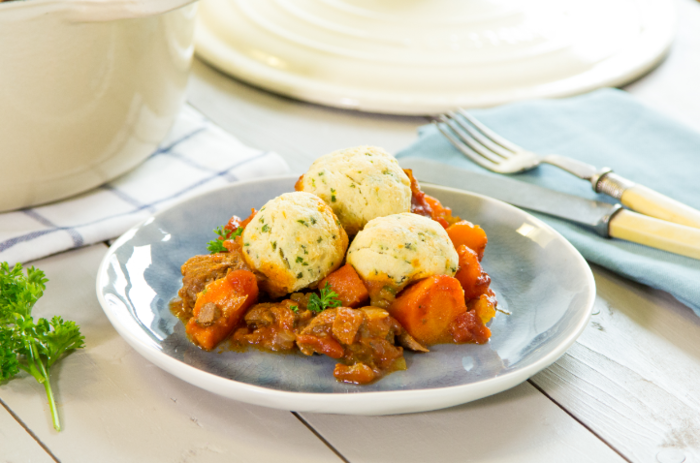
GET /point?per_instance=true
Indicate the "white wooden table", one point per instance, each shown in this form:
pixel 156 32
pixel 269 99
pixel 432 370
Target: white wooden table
pixel 628 389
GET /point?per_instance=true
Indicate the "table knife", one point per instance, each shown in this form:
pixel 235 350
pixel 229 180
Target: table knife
pixel 608 220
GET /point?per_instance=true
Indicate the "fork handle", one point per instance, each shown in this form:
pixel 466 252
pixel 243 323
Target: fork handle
pixel 647 201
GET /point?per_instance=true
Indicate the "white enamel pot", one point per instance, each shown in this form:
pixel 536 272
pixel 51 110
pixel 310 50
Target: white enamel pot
pixel 88 88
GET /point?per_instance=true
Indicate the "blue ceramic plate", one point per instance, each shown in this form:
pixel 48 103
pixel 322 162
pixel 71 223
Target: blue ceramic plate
pixel 537 275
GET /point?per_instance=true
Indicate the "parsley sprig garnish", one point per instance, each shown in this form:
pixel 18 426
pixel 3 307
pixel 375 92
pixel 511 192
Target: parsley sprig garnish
pixel 27 345
pixel 224 234
pixel 328 298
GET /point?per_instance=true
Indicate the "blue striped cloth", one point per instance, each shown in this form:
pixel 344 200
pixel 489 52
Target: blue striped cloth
pixel 196 156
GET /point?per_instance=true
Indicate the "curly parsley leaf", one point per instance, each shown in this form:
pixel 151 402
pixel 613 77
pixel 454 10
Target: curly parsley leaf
pixel 64 336
pixel 9 365
pixel 25 344
pixel 223 234
pixel 19 293
pixel 328 298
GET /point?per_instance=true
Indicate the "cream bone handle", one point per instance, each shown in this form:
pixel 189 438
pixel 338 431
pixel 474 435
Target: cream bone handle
pixel 656 233
pixel 647 201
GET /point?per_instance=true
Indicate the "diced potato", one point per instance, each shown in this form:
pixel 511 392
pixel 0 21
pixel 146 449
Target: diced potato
pixel 427 308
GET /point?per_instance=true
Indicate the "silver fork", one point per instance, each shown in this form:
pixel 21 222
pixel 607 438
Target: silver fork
pixel 493 152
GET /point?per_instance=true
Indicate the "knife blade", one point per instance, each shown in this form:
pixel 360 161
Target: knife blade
pixel 608 220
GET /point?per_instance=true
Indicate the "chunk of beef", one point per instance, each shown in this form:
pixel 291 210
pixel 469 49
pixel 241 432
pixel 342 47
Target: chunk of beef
pixel 362 339
pixel 272 326
pixel 346 324
pixel 209 314
pixel 200 270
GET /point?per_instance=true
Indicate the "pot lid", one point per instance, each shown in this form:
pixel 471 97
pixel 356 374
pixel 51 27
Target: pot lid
pixel 427 56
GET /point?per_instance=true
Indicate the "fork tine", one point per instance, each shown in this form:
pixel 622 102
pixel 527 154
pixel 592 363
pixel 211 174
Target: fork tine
pixel 480 137
pixel 470 141
pixel 466 150
pixel 489 133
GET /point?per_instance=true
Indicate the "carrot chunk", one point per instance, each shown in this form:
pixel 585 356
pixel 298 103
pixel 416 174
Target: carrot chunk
pixel 440 214
pixel 348 285
pixel 471 276
pixel 427 308
pixel 220 306
pixel 468 234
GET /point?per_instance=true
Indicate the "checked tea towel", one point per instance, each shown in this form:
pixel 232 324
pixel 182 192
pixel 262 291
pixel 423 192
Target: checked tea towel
pixel 195 157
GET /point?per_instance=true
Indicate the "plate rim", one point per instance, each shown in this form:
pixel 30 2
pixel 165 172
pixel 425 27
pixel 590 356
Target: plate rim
pixel 378 402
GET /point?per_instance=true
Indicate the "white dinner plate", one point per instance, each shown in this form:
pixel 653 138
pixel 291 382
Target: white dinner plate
pixel 537 275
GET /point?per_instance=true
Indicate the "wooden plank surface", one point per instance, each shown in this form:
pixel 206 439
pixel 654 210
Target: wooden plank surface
pixel 519 425
pixel 16 445
pixel 632 376
pixel 117 407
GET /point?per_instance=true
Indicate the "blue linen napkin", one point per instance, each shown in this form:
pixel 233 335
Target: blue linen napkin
pixel 606 128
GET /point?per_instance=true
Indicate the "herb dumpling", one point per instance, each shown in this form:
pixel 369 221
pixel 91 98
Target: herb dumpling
pixel 360 184
pixel 393 251
pixel 294 241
